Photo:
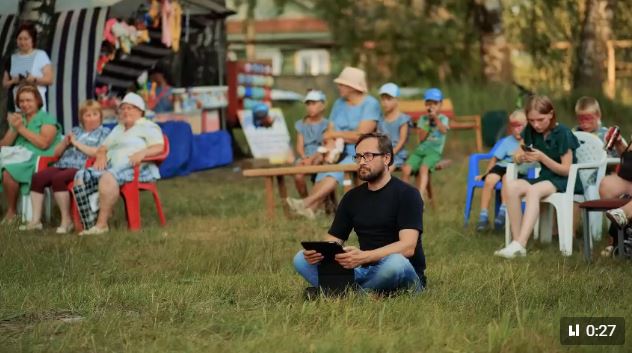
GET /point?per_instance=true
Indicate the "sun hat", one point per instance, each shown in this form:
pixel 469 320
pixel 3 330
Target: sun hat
pixel 315 96
pixel 433 94
pixel 390 89
pixel 135 100
pixel 352 77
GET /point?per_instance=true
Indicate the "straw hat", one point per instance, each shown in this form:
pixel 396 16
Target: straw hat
pixel 352 77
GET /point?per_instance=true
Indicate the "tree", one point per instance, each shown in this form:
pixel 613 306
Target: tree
pixel 592 50
pixel 40 13
pixel 496 65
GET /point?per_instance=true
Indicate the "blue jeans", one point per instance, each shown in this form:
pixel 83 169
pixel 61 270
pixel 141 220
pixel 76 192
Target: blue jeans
pixel 391 273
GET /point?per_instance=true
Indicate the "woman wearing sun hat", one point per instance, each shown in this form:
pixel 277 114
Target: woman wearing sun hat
pixel 133 139
pixel 353 114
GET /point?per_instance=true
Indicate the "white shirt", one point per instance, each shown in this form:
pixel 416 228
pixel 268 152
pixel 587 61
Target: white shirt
pixel 32 64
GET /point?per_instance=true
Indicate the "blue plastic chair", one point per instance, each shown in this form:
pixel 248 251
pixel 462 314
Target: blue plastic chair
pixel 472 184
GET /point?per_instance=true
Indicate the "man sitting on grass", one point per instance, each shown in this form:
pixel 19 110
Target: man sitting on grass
pixel 386 214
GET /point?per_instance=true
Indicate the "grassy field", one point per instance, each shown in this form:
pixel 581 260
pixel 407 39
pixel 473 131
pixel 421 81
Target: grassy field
pixel 219 278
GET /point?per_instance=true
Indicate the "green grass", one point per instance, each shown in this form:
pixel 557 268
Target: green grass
pixel 219 278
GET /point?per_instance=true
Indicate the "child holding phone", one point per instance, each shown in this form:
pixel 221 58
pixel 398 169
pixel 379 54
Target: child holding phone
pixel 554 148
pixel 433 128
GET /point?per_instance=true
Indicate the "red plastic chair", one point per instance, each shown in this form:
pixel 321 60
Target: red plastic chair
pixel 131 193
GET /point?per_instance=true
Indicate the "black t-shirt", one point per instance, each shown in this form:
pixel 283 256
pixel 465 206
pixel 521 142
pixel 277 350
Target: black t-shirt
pixel 378 216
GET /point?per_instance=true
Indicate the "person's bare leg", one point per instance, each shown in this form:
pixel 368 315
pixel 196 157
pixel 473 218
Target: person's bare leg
pixel 613 186
pixel 63 201
pixel 535 193
pixel 37 202
pixel 513 191
pixel 11 190
pixel 108 195
pixel 424 171
pixel 301 185
pixel 488 190
pixel 406 172
pixel 320 191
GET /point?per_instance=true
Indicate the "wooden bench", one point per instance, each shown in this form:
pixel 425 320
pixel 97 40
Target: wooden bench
pixel 279 173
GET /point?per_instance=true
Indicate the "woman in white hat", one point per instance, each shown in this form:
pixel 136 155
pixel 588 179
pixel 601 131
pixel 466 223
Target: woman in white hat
pixel 132 140
pixel 353 114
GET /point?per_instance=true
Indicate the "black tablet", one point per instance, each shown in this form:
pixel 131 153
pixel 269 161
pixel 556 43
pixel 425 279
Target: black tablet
pixel 328 249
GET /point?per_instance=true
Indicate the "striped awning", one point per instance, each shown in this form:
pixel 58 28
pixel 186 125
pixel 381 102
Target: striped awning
pixel 7 25
pixel 74 52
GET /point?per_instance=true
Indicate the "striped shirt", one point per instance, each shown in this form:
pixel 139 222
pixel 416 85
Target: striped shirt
pixel 31 64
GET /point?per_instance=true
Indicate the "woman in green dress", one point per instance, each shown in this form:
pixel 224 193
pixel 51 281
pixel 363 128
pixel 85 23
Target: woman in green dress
pixel 32 133
pixel 553 146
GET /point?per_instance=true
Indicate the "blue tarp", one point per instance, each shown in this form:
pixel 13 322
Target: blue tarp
pixel 190 153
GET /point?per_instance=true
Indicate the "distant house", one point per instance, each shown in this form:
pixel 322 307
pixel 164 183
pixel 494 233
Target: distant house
pixel 296 41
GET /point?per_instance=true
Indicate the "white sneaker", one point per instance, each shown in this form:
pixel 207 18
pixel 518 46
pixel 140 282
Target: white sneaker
pixel 31 226
pixel 62 229
pixel 512 250
pixel 295 204
pixel 618 217
pixel 307 212
pixel 95 231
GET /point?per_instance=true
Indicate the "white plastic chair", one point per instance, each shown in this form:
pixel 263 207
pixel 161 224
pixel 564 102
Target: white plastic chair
pixel 590 155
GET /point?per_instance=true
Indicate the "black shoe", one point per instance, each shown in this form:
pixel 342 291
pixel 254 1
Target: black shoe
pixel 311 293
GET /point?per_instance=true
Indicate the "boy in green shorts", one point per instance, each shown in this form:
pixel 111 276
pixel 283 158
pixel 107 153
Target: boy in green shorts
pixel 432 130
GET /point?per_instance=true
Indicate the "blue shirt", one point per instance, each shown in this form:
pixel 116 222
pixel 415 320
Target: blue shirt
pixel 163 103
pixel 347 117
pixel 505 151
pixel 72 157
pixel 392 128
pixel 312 134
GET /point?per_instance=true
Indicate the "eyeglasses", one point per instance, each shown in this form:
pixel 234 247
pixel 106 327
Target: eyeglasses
pixel 368 156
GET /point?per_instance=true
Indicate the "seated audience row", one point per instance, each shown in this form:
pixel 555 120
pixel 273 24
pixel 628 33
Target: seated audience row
pixel 34 133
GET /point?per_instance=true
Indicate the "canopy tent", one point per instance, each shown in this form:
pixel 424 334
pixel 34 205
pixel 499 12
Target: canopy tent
pixel 73 53
pixel 78 31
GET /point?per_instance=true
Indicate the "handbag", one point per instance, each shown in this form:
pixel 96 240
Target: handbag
pixel 14 155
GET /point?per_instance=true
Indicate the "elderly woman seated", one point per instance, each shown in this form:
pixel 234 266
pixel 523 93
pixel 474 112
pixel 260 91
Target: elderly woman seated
pixel 32 133
pixel 74 149
pixel 132 140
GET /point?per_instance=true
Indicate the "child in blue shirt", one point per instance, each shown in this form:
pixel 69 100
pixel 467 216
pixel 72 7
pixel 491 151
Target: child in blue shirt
pixel 309 135
pixel 394 123
pixel 497 168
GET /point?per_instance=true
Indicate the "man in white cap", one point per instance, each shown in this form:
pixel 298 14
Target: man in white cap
pixel 353 114
pixel 131 141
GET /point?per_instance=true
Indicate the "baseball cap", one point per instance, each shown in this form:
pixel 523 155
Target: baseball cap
pixel 433 94
pixel 314 96
pixel 260 109
pixel 390 89
pixel 135 100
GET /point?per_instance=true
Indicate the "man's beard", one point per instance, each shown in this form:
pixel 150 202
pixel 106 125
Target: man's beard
pixel 366 175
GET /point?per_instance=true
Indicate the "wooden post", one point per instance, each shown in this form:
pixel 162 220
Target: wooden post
pixel 283 194
pixel 611 83
pixel 269 196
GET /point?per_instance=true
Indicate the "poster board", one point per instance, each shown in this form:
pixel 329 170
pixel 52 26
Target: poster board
pixel 271 142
